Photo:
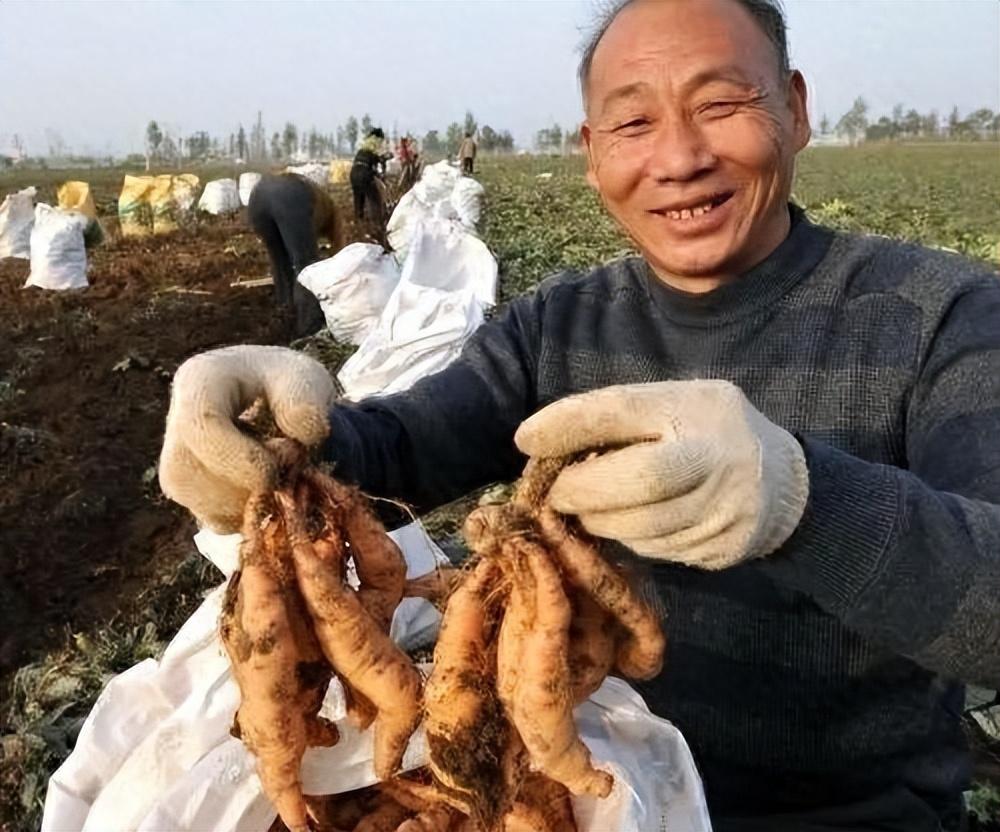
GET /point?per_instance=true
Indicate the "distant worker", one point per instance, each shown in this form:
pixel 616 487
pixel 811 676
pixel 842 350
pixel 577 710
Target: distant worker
pixel 366 177
pixel 289 213
pixel 407 155
pixel 467 153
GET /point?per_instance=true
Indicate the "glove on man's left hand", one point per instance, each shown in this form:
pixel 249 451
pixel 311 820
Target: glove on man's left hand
pixel 704 478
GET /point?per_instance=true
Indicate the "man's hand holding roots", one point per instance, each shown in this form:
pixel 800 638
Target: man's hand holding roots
pixel 210 465
pixel 688 471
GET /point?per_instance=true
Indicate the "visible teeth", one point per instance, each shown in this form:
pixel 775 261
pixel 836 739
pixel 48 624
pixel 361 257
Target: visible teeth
pixel 688 213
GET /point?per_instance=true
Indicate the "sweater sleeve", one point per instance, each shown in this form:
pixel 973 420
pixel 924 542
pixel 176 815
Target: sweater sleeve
pixel 911 558
pixel 453 431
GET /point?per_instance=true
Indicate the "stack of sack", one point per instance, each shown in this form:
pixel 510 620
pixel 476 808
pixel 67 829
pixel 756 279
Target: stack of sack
pixel 411 310
pixel 52 239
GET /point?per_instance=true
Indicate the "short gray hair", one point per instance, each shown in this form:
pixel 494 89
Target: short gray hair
pixel 768 14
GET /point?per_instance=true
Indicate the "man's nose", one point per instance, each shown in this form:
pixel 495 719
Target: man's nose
pixel 680 151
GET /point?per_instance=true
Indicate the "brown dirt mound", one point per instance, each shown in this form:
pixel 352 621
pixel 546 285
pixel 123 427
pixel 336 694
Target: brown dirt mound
pixel 84 385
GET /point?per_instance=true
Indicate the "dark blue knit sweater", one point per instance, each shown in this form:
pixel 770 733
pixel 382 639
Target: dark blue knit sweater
pixel 830 673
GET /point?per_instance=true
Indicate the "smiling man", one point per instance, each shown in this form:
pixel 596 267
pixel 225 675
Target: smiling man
pixel 693 123
pixel 805 429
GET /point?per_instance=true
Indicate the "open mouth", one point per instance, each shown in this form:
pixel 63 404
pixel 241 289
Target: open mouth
pixel 696 210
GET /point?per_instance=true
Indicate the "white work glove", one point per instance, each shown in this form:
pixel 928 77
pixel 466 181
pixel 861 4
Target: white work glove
pixel 208 464
pixel 703 479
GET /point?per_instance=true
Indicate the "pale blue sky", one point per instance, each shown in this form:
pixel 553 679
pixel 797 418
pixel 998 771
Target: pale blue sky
pixel 98 71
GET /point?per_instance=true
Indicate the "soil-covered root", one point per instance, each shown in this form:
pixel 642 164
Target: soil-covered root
pixel 356 645
pixel 543 701
pixel 280 672
pixel 463 718
pixel 330 548
pixel 518 619
pixel 343 811
pixel 640 655
pixel 434 808
pixel 551 803
pixel 438 818
pixel 379 562
pixel 416 793
pixel 386 816
pixel 436 586
pixel 592 646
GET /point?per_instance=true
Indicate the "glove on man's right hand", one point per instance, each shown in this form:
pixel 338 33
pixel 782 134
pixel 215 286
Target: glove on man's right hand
pixel 208 464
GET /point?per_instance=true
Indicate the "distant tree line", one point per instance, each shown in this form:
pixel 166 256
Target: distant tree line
pixel 289 144
pixel 909 125
pixel 488 139
pixel 293 143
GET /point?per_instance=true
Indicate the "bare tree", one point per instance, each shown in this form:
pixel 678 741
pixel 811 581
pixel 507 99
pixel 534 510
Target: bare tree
pixel 57 147
pixel 258 140
pixel 854 122
pixel 351 133
pixel 290 140
pixel 154 136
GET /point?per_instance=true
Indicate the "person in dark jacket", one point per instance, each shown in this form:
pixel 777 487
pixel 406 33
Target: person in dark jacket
pixel 796 436
pixel 367 173
pixel 289 213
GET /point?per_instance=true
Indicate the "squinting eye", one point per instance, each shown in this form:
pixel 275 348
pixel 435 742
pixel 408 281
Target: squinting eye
pixel 719 108
pixel 632 127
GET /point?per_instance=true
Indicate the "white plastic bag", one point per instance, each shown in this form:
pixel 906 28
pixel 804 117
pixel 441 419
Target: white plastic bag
pixel 248 181
pixel 58 253
pixel 467 201
pixel 657 785
pixel 221 196
pixel 17 215
pixel 441 194
pixel 436 183
pixel 352 288
pixel 409 213
pixel 447 283
pixel 314 171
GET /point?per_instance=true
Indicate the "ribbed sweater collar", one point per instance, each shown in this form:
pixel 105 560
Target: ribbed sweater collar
pixel 763 285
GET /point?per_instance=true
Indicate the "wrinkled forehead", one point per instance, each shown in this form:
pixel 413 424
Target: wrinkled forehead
pixel 677 43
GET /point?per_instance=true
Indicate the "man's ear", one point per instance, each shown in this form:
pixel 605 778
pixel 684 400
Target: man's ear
pixel 585 137
pixel 798 103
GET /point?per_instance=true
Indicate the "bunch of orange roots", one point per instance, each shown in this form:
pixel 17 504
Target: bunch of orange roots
pixel 532 627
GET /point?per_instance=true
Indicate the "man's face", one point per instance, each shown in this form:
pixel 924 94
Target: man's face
pixel 691 136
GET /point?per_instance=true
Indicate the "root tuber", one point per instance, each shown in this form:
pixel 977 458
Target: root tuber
pixel 290 622
pixel 570 616
pixel 356 645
